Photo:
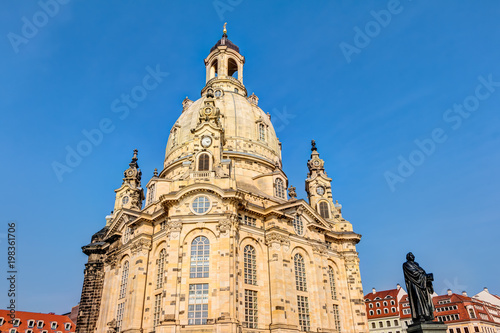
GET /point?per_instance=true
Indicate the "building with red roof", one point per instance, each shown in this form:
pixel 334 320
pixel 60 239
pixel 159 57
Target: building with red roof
pixel 462 314
pixel 34 322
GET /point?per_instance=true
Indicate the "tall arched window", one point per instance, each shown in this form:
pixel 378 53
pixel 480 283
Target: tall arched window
pixel 232 68
pixel 262 132
pixel 174 137
pixel 250 265
pixel 160 263
pixel 298 225
pixel 323 210
pixel 204 162
pixel 200 257
pixel 300 273
pixel 279 188
pixel 124 281
pixel 333 288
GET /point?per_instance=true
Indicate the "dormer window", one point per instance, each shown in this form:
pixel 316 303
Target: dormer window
pixel 325 213
pixel 67 326
pixel 16 322
pixel 29 331
pixel 279 188
pixel 2 321
pixel 12 330
pixel 262 132
pixel 204 162
pixel 174 137
pixel 39 324
pixel 53 325
pixel 31 323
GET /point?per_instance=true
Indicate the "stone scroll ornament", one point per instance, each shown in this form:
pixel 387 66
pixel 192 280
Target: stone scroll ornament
pixel 420 290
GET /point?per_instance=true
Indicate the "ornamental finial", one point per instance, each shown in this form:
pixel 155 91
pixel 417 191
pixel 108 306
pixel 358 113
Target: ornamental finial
pixel 313 145
pixel 225 30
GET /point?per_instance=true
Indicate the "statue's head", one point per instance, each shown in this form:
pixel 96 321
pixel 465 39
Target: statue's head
pixel 410 256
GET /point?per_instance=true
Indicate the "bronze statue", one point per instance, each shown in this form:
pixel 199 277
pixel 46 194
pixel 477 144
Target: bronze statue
pixel 420 290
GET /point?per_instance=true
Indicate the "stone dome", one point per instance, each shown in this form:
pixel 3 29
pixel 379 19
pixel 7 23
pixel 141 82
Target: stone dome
pixel 247 130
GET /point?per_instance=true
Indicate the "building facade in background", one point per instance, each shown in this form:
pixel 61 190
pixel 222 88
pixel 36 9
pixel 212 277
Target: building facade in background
pixel 34 322
pixel 221 243
pixel 462 314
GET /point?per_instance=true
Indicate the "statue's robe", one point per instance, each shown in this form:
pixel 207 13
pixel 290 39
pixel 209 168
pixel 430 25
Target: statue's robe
pixel 418 293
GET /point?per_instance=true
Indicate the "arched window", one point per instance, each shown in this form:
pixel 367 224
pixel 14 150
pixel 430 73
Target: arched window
pixel 200 257
pixel 232 68
pixel 371 312
pixel 370 305
pixel 472 314
pixel 385 303
pixel 124 281
pixel 393 309
pixel 300 273
pixel 262 132
pixel 378 311
pixel 279 188
pixel 174 137
pixel 298 225
pixel 374 325
pixel 160 263
pixel 323 210
pixel 333 288
pixel 203 162
pixel 393 303
pixel 214 69
pixel 378 304
pixel 250 265
pixel 386 310
pixel 380 324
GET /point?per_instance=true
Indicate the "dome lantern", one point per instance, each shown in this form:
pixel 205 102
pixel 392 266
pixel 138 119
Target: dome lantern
pixel 224 67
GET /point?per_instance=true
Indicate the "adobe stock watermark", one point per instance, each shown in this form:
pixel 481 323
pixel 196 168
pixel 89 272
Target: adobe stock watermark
pixel 223 6
pixel 283 119
pixel 373 28
pixel 454 286
pixel 95 136
pixel 453 117
pixel 30 27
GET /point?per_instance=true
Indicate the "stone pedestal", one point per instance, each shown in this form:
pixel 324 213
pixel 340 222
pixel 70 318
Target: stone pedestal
pixel 428 327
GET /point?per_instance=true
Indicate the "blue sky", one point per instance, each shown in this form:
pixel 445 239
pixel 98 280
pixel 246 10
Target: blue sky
pixel 365 107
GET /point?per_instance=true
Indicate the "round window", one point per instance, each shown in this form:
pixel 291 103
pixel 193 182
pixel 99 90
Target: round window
pixel 125 200
pixel 201 204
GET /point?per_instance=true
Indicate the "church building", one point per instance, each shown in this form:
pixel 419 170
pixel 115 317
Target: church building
pixel 219 241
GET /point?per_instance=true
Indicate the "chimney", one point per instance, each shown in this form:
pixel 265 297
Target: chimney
pixel 398 286
pixel 449 292
pixel 374 291
pixel 486 289
pixel 464 293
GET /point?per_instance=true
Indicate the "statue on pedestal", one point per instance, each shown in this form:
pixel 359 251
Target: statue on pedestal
pixel 420 290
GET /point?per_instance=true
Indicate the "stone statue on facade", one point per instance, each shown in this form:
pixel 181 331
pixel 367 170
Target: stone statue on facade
pixel 420 290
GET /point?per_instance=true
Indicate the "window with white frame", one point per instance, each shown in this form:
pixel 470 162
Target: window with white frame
pixel 160 268
pixel 13 330
pixel 251 318
pixel 157 310
pixel 198 304
pixel 67 326
pixel 279 188
pixel 39 324
pixel 371 313
pixel 303 310
pixel 248 220
pixel 201 204
pixel 2 321
pixel 16 322
pixel 300 273
pixel 31 323
pixel 29 330
pixel 333 287
pixel 298 225
pixel 250 265
pixel 200 257
pixel 53 325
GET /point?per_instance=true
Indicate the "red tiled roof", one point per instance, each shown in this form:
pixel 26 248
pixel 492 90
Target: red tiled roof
pixel 382 294
pixel 47 318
